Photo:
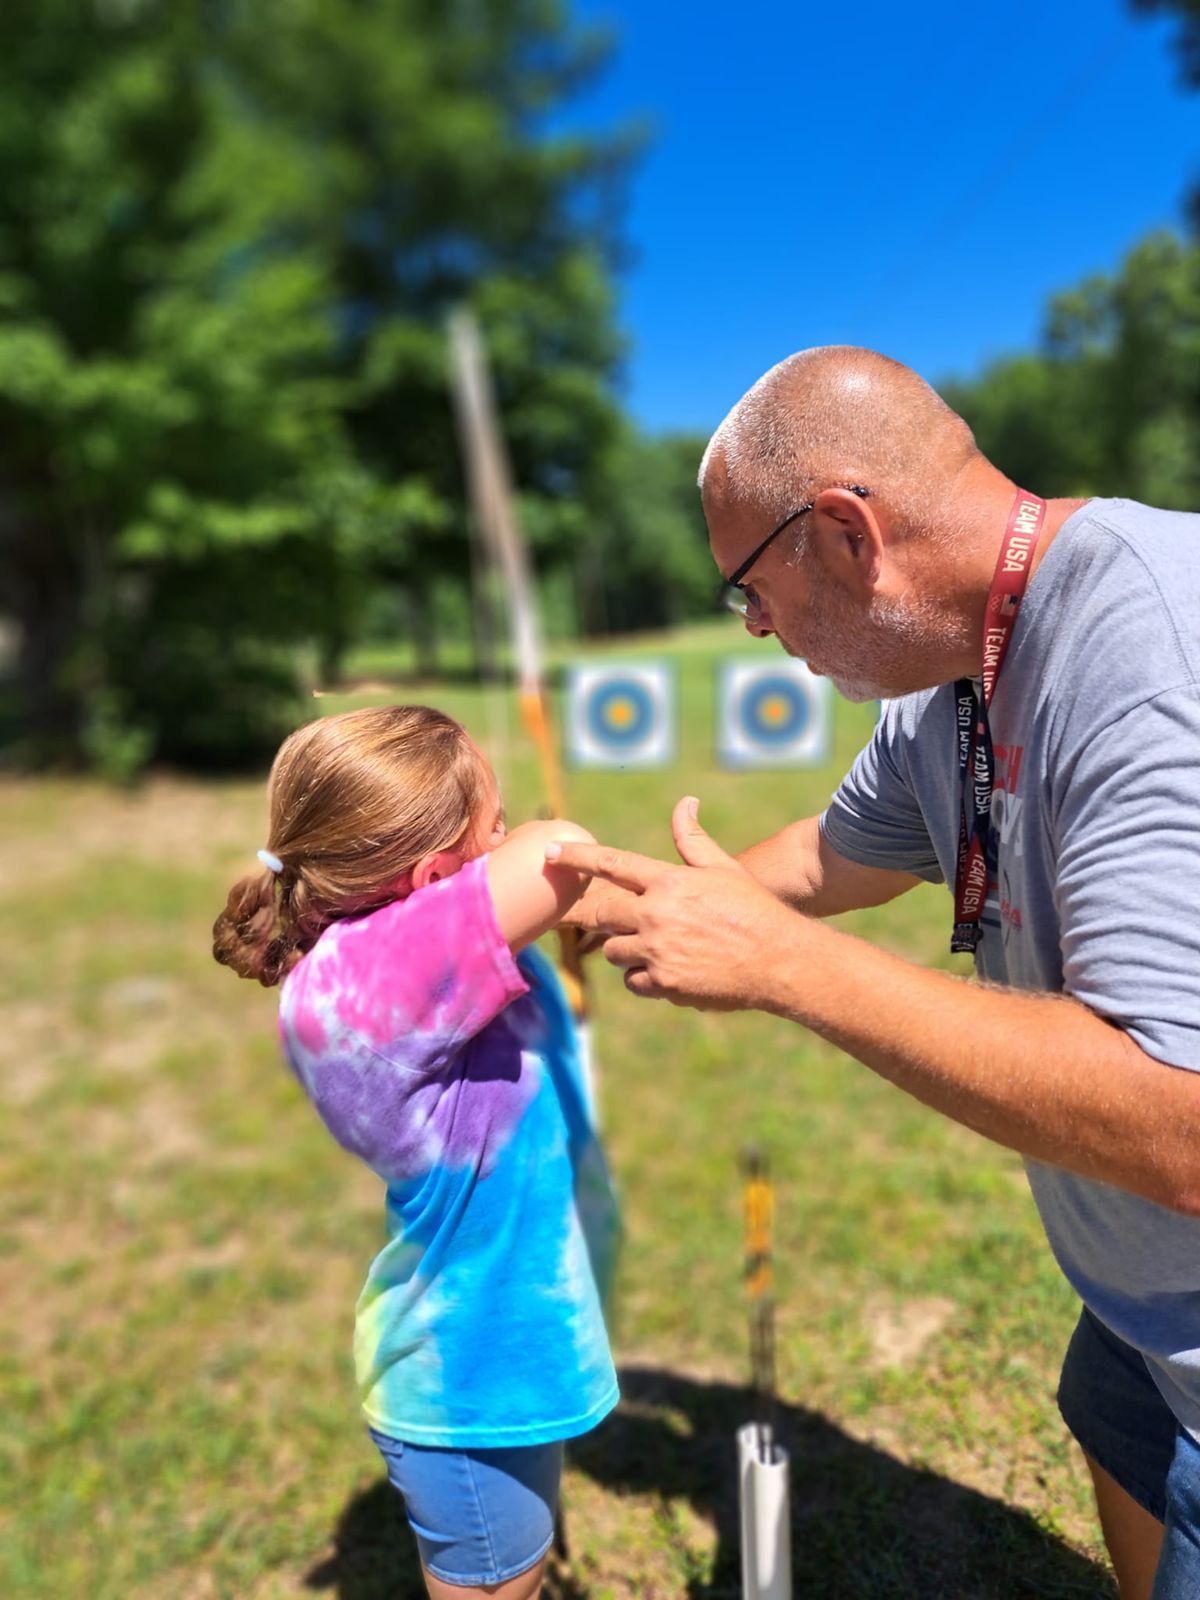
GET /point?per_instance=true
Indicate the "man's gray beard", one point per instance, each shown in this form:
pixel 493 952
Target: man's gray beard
pixel 858 691
pixel 894 632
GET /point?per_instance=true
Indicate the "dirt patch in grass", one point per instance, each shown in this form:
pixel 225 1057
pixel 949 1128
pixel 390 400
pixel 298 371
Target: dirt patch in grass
pixel 65 827
pixel 898 1332
pixel 157 1128
pixel 30 1038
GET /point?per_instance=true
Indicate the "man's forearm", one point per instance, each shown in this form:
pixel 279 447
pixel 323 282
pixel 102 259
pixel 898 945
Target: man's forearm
pixel 1041 1074
pixel 789 865
pixel 800 867
pixel 1038 1073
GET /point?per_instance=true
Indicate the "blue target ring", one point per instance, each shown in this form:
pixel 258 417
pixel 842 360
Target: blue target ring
pixel 775 711
pixel 620 713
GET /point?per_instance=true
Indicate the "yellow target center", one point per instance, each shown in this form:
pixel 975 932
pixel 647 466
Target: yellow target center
pixel 774 710
pixel 621 713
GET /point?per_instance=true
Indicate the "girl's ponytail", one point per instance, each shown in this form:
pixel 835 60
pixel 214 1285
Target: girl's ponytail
pixel 355 800
pixel 247 935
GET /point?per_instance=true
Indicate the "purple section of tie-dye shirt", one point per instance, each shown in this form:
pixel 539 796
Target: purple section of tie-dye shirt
pixel 413 1031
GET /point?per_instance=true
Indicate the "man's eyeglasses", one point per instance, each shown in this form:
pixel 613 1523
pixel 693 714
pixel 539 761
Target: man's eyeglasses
pixel 740 597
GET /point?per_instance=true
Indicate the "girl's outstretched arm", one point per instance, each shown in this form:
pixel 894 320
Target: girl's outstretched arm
pixel 531 895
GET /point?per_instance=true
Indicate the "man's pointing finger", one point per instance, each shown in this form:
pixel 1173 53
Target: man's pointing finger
pixel 623 867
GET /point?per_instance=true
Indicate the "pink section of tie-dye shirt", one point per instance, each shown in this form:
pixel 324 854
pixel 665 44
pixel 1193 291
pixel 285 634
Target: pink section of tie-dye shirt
pixel 396 1025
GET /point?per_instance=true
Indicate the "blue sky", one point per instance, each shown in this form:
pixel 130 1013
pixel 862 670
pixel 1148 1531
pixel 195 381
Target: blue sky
pixel 918 178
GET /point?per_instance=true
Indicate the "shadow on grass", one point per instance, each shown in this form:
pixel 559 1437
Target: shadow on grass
pixel 865 1526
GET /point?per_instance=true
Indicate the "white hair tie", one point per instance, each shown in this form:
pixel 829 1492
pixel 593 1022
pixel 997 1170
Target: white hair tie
pixel 271 862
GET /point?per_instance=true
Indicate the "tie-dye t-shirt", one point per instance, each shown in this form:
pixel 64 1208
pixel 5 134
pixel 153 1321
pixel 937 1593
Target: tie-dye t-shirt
pixel 454 1071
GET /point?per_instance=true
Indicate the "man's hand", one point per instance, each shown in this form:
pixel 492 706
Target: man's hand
pixel 583 914
pixel 701 935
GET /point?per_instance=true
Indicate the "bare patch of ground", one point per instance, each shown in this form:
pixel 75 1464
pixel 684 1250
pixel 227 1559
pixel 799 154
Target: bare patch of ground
pixel 897 1334
pixel 64 827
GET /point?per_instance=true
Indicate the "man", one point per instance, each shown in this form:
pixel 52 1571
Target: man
pixel 1045 761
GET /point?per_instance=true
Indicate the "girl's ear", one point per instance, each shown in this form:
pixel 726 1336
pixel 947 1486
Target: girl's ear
pixel 435 866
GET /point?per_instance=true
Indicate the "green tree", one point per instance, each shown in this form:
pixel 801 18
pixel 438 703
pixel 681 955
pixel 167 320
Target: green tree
pixel 166 423
pixel 1111 404
pixel 646 563
pixel 229 236
pixel 441 186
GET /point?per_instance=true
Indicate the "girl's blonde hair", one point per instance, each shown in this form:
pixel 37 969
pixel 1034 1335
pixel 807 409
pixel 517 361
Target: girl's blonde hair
pixel 355 801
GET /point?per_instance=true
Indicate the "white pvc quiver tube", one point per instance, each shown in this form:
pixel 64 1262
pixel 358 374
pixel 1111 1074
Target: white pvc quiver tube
pixel 764 1502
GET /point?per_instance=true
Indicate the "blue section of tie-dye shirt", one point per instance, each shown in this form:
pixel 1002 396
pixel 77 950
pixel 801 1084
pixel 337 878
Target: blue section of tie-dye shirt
pixel 455 1072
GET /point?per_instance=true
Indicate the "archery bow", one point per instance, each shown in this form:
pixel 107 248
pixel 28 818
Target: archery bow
pixel 490 485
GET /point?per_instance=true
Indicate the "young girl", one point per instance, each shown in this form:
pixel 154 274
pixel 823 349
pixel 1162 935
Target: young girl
pixel 399 918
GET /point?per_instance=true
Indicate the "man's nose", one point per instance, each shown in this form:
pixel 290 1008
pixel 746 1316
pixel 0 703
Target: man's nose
pixel 760 627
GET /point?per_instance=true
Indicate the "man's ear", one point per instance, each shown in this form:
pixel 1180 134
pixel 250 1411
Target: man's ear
pixel 849 538
pixel 435 866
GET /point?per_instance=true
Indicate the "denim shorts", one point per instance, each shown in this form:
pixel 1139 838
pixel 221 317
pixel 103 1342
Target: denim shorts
pixel 480 1516
pixel 1115 1410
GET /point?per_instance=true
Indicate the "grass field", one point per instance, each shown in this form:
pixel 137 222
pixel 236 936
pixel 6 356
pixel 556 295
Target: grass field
pixel 182 1246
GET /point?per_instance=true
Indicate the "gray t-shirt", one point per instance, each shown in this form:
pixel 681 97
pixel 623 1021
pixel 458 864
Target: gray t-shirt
pixel 1096 812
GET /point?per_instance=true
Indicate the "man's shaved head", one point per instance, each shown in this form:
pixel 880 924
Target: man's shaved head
pixel 851 590
pixel 836 415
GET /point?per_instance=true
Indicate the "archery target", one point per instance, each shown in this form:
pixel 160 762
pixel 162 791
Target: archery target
pixel 773 714
pixel 620 716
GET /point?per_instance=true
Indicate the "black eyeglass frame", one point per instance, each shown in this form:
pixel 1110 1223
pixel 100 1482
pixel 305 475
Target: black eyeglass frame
pixel 734 581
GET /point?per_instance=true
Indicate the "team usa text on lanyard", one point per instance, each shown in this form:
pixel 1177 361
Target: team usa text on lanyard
pixel 973 739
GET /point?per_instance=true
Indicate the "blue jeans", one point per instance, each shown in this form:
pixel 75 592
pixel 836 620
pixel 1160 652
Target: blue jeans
pixel 1178 1576
pixel 479 1516
pixel 1115 1410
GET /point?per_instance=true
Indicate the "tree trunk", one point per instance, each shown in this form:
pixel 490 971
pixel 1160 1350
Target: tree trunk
pixel 591 599
pixel 424 632
pixel 43 591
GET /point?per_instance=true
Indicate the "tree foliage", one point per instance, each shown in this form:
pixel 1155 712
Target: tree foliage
pixel 229 236
pixel 646 563
pixel 1110 405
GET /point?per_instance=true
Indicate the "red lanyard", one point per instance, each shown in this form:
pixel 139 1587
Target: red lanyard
pixel 973 738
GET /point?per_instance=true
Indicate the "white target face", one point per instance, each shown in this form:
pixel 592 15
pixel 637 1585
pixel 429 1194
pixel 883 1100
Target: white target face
pixel 772 714
pixel 620 716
